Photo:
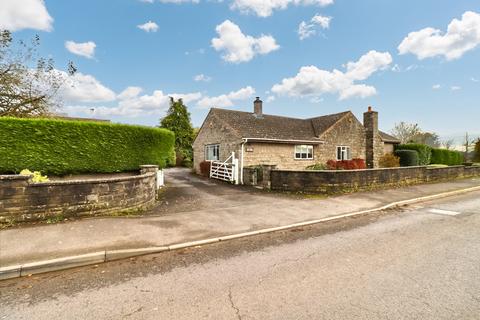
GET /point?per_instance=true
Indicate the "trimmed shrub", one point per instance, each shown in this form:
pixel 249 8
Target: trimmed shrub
pixel 61 147
pixel 389 161
pixel 353 164
pixel 424 152
pixel 408 158
pixel 476 154
pixel 447 157
pixel 205 168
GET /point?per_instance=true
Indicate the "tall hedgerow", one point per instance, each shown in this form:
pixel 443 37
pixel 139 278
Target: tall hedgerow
pixel 424 152
pixel 61 147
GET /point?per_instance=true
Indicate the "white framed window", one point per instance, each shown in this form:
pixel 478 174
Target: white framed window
pixel 303 152
pixel 212 152
pixel 344 153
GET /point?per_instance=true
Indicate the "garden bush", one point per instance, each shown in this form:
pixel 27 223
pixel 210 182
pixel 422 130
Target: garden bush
pixel 408 158
pixel 389 161
pixel 447 157
pixel 353 164
pixel 61 147
pixel 424 152
pixel 317 166
pixel 476 152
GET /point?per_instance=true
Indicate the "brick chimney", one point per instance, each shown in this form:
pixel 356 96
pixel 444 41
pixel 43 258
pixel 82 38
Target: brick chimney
pixel 373 144
pixel 257 107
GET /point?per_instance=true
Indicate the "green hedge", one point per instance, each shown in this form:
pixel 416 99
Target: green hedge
pixel 424 152
pixel 408 158
pixel 62 147
pixel 447 157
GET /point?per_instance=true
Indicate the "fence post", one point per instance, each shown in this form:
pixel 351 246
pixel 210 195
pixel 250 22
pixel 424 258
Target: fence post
pixel 235 168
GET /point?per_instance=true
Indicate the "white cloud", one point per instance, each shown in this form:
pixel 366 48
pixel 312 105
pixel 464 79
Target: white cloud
pixel 85 88
pixel 474 79
pixel 131 104
pixel 186 97
pixel 316 100
pixel 270 98
pixel 226 100
pixel 149 26
pixel 455 88
pixel 178 1
pixel 85 49
pixel 461 36
pixel 436 86
pixel 202 78
pixel 265 8
pixel 239 47
pixel 306 30
pixel 27 14
pixel 312 81
pixel 129 93
pixel 171 1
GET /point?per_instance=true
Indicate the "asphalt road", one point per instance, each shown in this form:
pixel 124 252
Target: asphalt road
pixel 421 262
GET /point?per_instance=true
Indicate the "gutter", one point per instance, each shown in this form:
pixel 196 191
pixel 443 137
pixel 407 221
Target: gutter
pixel 283 140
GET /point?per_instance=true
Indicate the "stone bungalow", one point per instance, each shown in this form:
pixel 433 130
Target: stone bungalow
pixel 289 143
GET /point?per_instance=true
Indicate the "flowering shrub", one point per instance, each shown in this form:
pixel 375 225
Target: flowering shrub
pixel 353 164
pixel 37 175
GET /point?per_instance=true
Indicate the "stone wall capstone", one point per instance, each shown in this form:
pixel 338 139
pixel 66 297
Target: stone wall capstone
pixel 355 180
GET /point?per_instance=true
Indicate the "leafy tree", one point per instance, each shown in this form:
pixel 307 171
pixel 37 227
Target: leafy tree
pixel 476 155
pixel 178 121
pixel 406 132
pixel 29 84
pixel 412 133
pixel 431 139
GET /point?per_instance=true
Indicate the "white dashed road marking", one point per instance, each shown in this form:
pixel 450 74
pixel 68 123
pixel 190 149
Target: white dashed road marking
pixel 444 212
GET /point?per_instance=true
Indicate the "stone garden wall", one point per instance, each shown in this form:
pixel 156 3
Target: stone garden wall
pixel 356 180
pixel 21 200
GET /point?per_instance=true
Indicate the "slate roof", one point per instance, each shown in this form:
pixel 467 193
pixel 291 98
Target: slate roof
pixel 388 138
pixel 249 125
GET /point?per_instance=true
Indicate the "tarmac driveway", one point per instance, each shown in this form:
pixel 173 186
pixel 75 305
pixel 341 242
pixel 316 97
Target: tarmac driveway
pixel 186 192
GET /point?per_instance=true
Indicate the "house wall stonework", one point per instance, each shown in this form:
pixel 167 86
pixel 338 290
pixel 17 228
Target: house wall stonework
pixel 388 148
pixel 280 155
pixel 215 132
pixel 348 132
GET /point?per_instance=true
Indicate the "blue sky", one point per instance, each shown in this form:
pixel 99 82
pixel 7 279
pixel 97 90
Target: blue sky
pixel 431 79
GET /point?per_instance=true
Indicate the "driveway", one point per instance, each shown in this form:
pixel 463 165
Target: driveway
pixel 186 192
